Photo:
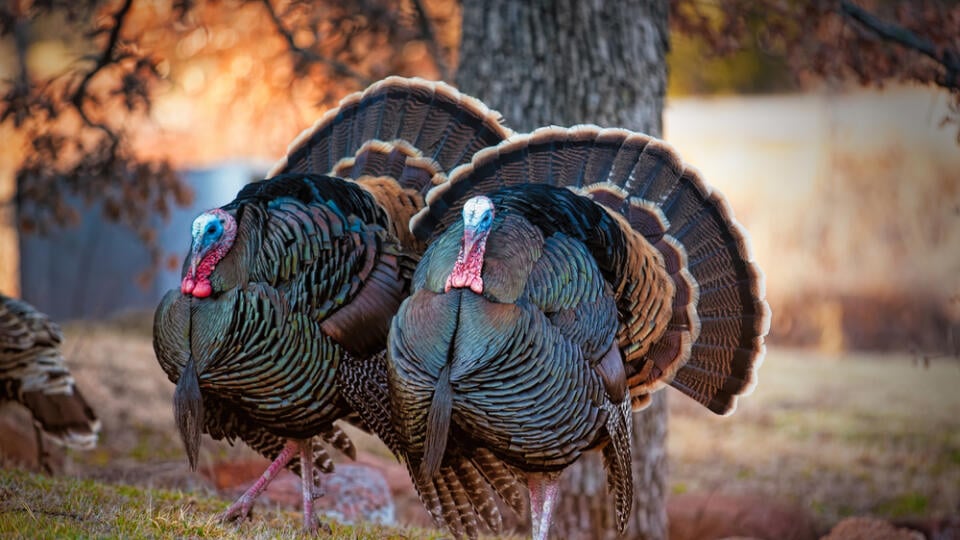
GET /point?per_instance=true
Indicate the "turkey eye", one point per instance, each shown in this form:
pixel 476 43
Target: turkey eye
pixel 211 229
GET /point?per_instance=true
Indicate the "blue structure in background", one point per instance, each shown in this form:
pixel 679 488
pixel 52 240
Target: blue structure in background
pixel 90 271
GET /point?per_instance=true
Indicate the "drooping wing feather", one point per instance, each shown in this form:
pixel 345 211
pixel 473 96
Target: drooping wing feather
pixel 225 422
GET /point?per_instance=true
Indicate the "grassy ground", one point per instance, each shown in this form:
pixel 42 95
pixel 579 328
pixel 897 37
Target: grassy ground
pixel 834 436
pixel 36 506
pixel 837 435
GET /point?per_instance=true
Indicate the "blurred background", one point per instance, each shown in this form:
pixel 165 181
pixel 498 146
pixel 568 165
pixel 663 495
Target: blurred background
pixel 848 181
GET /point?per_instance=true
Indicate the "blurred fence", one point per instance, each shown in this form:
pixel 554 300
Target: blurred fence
pixel 90 271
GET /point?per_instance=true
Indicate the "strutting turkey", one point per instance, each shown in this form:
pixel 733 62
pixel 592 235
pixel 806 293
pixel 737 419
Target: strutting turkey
pixel 281 319
pixel 597 269
pixel 34 373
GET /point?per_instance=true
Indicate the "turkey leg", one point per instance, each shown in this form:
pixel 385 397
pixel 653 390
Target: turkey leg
pixel 544 488
pixel 306 484
pixel 241 508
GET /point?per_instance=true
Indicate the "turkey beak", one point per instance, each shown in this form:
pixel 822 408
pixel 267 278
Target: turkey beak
pixel 194 259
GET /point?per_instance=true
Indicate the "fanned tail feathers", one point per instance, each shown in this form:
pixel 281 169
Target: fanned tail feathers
pixel 398 138
pixel 727 291
pixel 709 341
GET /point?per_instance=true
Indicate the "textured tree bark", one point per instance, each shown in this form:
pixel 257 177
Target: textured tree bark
pixel 566 62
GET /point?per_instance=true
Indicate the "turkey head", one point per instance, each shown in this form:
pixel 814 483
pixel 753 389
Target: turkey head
pixel 213 234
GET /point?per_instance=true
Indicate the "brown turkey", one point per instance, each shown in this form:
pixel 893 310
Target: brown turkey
pixel 34 373
pixel 596 270
pixel 281 319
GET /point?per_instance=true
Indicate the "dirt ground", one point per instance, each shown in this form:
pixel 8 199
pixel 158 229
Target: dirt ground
pixel 823 437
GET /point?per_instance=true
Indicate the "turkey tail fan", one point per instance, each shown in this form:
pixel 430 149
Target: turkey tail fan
pixel 729 296
pixel 709 341
pixel 398 138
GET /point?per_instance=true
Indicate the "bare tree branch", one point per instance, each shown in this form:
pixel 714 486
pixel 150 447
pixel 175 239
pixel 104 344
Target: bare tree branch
pixel 949 59
pixel 426 29
pixel 338 67
pixel 21 40
pixel 106 58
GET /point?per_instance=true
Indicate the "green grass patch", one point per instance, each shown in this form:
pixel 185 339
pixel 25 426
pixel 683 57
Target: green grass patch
pixel 36 506
pixel 909 504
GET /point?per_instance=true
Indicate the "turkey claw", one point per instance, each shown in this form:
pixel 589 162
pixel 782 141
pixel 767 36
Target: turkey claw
pixel 313 525
pixel 238 511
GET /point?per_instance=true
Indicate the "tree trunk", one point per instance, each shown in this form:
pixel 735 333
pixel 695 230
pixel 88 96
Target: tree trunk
pixel 566 62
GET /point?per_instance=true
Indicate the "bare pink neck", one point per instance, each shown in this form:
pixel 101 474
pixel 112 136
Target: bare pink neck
pixel 467 269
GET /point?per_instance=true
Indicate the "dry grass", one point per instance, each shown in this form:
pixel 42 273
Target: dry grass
pixel 838 435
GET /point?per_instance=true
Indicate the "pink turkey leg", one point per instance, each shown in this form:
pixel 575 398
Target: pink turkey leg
pixel 544 489
pixel 241 508
pixel 306 485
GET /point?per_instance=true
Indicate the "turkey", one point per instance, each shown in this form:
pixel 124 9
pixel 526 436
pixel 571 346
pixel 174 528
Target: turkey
pixel 288 290
pixel 34 374
pixel 596 269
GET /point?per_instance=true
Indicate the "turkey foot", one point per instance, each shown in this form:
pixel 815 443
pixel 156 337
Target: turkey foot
pixel 544 488
pixel 241 508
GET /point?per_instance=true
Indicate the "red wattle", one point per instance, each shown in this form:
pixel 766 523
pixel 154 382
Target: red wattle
pixel 187 285
pixel 476 284
pixel 198 284
pixel 456 279
pixel 202 289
